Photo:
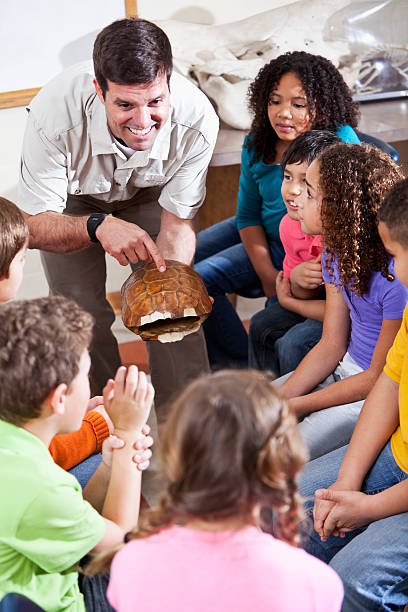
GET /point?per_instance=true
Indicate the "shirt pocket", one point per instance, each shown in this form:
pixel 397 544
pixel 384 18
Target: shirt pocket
pixel 89 187
pixel 141 180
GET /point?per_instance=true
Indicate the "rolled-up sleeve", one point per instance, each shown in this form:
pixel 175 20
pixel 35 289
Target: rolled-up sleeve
pixel 184 193
pixel 396 356
pixel 43 172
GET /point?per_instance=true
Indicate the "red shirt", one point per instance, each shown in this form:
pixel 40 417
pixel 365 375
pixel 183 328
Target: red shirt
pixel 299 247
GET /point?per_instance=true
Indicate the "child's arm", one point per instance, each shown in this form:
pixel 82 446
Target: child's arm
pixel 96 490
pixel 355 387
pixel 70 449
pixel 249 220
pixel 127 400
pixel 256 245
pixel 306 277
pixel 353 509
pixel 325 356
pixel 378 419
pixel 308 308
pixel 373 429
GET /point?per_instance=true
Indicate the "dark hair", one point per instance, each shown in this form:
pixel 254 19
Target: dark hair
pixel 41 343
pixel 13 234
pixel 354 179
pixel 131 51
pixel 394 212
pixel 230 445
pixel 328 97
pixel 307 146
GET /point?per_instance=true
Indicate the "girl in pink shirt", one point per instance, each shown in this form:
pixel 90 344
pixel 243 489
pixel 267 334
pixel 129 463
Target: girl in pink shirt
pixel 231 456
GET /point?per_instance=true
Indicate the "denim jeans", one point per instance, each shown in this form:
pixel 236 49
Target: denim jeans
pixel 222 261
pixel 371 561
pixel 330 428
pixel 84 470
pixel 279 338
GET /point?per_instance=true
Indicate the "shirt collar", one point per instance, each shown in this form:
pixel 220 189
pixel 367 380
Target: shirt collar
pixel 21 441
pixel 316 246
pixel 103 143
pixel 161 146
pixel 99 133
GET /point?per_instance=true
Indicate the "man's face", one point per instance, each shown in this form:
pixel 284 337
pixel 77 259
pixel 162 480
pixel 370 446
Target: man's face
pixel 135 113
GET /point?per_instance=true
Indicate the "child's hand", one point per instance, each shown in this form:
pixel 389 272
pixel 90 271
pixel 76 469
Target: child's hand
pixel 308 274
pixel 283 290
pixel 322 507
pixel 142 449
pixel 94 402
pixel 105 415
pixel 128 400
pixel 349 510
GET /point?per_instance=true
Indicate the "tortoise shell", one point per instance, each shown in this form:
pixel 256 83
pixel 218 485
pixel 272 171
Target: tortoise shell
pixel 164 306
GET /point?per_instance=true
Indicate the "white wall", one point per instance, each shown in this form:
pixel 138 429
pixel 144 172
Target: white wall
pixel 210 12
pixel 40 38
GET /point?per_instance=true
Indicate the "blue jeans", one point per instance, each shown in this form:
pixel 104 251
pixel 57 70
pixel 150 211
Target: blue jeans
pixel 222 261
pixel 372 561
pixel 279 338
pixel 84 470
pixel 326 430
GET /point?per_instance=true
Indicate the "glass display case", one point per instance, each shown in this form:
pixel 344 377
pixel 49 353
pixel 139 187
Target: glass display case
pixel 376 32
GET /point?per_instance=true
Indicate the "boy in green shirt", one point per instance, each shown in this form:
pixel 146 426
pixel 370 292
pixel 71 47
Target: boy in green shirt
pixel 47 523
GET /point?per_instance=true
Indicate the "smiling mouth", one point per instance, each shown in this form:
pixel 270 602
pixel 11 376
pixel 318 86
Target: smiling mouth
pixel 292 204
pixel 138 132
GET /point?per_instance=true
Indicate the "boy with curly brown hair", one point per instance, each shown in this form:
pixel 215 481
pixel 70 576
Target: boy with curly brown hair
pixel 47 523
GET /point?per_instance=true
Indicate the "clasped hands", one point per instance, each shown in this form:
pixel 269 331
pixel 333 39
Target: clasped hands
pixel 338 511
pixel 125 406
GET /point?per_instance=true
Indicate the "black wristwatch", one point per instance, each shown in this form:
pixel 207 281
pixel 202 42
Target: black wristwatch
pixel 93 223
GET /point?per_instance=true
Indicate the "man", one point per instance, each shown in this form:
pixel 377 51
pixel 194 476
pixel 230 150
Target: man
pixel 123 155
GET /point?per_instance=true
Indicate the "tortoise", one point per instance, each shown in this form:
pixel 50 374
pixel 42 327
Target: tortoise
pixel 164 306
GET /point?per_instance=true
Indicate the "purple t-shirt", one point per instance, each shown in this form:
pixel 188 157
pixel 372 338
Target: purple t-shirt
pixel 383 300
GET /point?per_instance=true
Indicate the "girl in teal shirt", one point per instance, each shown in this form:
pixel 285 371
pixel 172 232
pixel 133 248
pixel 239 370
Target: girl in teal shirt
pixel 295 92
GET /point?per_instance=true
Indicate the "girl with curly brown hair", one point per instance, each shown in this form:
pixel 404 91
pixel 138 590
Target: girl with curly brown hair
pixel 364 301
pixel 295 92
pixel 231 455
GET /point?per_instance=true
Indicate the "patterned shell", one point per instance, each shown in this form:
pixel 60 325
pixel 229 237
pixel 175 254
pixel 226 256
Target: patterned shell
pixel 148 294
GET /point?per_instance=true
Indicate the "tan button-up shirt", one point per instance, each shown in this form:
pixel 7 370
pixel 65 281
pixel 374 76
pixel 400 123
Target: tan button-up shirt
pixel 68 148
